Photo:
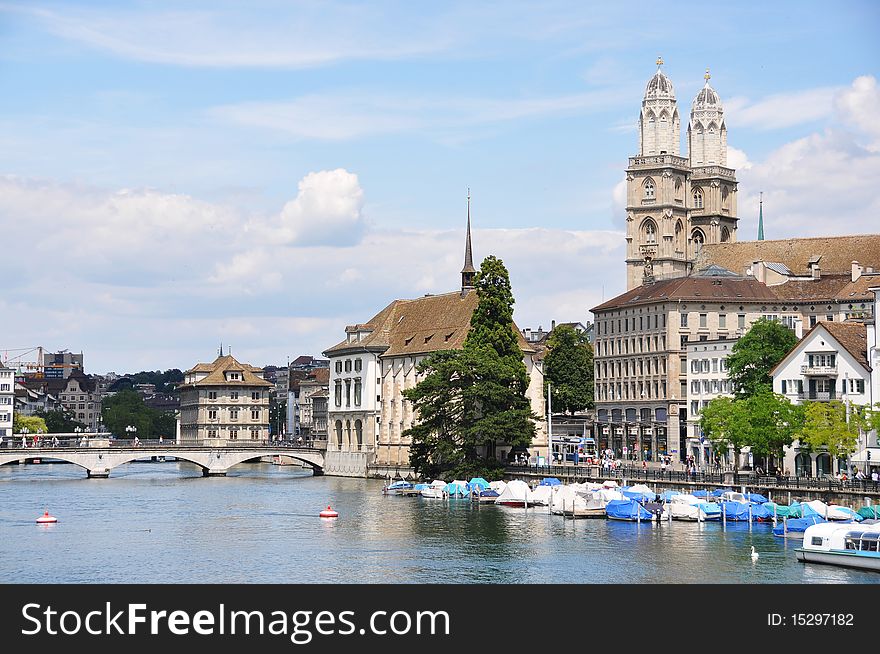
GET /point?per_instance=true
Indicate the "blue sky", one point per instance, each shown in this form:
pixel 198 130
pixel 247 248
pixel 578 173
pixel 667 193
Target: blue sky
pixel 263 174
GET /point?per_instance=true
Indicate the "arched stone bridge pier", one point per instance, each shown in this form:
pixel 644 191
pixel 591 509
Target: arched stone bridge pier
pixel 214 461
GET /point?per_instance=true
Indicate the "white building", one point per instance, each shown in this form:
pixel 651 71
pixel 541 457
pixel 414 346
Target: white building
pixel 7 401
pixel 829 363
pixel 222 402
pixel 376 362
pixel 707 379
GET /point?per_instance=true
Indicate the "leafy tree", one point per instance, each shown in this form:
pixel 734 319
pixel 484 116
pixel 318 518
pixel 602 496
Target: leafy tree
pixel 568 367
pixel 826 426
pixel 774 422
pixel 725 423
pixel 474 398
pixel 127 408
pixel 34 424
pixel 756 353
pixel 60 421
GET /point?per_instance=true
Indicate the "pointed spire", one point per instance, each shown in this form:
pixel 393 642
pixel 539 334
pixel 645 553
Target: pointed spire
pixel 468 271
pixel 761 218
pixel 659 61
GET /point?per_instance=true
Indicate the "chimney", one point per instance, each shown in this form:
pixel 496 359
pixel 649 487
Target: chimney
pixel 552 325
pixel 759 271
pixel 856 270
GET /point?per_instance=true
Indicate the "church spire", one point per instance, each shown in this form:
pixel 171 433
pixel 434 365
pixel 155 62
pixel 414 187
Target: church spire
pixel 468 271
pixel 761 218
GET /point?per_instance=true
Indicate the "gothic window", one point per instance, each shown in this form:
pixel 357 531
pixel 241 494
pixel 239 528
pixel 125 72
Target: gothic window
pixel 650 231
pixel 698 238
pixel 649 189
pixel 725 235
pixel 698 199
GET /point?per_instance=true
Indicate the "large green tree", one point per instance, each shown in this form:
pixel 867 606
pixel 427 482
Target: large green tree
pixel 826 427
pixel 60 421
pixel 471 400
pixel 568 367
pixel 127 408
pixel 774 422
pixel 725 423
pixel 34 424
pixel 756 354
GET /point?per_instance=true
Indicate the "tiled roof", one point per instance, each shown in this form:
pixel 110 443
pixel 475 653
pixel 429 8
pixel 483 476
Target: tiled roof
pixel 421 326
pixel 221 365
pixel 711 289
pixel 837 253
pixel 851 335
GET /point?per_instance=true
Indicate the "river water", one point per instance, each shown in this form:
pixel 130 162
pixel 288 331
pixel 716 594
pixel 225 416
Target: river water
pixel 165 523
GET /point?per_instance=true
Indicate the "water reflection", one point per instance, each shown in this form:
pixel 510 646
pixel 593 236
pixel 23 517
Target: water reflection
pixel 164 522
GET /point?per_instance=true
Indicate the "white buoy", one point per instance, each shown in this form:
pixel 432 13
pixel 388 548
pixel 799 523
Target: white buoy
pixel 46 519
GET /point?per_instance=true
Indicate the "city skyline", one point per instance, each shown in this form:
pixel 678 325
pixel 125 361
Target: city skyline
pixel 178 179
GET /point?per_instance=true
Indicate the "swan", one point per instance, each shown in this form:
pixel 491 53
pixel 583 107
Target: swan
pixel 754 554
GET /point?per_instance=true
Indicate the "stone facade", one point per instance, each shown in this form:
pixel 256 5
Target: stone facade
pixel 7 400
pixel 223 402
pixel 706 380
pixel 676 205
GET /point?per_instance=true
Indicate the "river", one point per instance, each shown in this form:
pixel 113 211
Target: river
pixel 165 523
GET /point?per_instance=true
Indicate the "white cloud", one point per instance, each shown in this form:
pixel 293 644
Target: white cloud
pixel 737 159
pixel 311 34
pixel 356 114
pixel 780 110
pixel 211 280
pixel 618 202
pixel 328 210
pixel 859 106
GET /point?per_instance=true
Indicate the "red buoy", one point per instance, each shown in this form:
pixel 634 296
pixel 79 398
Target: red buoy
pixel 328 513
pixel 46 519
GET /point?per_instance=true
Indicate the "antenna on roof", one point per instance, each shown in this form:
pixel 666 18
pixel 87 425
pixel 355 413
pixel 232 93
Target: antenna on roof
pixel 761 217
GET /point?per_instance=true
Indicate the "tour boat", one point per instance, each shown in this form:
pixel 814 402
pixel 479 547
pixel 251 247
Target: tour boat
pixel 848 545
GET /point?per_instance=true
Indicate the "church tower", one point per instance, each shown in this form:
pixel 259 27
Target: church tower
pixel 712 197
pixel 468 272
pixel 656 190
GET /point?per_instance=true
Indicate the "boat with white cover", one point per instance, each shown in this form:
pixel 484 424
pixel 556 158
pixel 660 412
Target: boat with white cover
pixel 848 545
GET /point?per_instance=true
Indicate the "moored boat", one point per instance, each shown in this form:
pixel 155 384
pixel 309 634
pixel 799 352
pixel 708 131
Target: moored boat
pixel 847 545
pixel 517 493
pixel 629 510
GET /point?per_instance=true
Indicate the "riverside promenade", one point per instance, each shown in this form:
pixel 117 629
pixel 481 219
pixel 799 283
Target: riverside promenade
pixel 783 489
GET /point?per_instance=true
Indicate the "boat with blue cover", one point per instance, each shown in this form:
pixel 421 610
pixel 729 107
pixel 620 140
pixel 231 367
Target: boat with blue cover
pixel 795 527
pixel 629 510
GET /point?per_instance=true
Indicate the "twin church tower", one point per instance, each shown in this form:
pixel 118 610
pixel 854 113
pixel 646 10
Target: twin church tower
pixel 675 204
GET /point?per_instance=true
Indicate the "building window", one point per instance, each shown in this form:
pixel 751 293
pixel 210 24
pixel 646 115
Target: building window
pixel 684 320
pixel 357 392
pixel 698 199
pixel 212 414
pixel 212 395
pixel 722 321
pixel 741 321
pixel 339 366
pixel 233 395
pixel 255 414
pixel 357 365
pixel 698 238
pixel 649 189
pixel 347 392
pixel 255 395
pixel 725 235
pixel 233 435
pixel 233 414
pixel 703 318
pixel 650 232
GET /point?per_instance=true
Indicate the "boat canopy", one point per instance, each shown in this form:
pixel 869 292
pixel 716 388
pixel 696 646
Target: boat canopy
pixel 457 488
pixel 739 511
pixel 781 510
pixel 438 483
pixel 667 495
pixel 871 512
pixel 542 494
pixel 756 497
pixel 478 482
pixel 796 525
pixel 515 491
pixel 550 481
pixel 627 510
pixel 497 485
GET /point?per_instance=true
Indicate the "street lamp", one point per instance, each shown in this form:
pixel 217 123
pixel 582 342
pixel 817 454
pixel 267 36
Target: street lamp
pixel 132 431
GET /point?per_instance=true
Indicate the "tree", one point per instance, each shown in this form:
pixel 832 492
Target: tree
pixel 568 367
pixel 774 422
pixel 826 427
pixel 725 423
pixel 756 354
pixel 474 398
pixel 34 424
pixel 59 421
pixel 127 408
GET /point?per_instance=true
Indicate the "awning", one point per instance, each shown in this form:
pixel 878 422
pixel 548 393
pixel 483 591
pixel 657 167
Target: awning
pixel 862 457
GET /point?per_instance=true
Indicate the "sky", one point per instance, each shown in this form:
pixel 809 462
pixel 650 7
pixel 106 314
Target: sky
pixel 177 176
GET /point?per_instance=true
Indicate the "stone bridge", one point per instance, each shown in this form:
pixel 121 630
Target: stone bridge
pixel 214 461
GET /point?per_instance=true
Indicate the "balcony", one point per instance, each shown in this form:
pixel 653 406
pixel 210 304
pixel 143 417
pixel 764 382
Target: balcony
pixel 821 371
pixel 818 396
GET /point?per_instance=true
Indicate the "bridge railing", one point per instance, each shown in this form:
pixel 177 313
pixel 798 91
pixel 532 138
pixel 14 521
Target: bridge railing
pixel 44 442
